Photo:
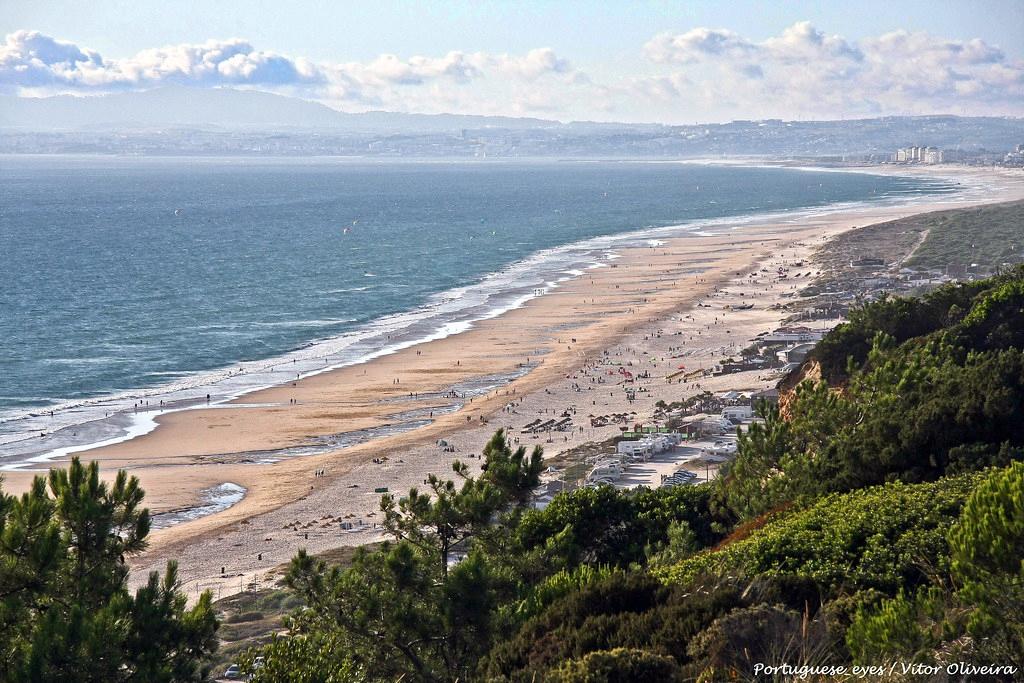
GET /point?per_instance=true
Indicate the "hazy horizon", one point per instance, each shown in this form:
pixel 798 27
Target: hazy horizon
pixel 629 63
pixel 174 87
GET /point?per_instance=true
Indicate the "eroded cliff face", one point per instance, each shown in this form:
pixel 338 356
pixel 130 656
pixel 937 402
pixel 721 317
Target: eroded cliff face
pixel 811 370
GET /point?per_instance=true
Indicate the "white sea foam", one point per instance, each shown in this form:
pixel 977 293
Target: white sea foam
pixel 214 499
pixel 139 425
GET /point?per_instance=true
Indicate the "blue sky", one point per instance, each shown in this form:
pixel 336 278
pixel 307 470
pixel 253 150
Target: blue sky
pixel 637 61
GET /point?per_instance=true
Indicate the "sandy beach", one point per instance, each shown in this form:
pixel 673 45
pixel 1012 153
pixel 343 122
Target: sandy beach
pixel 548 357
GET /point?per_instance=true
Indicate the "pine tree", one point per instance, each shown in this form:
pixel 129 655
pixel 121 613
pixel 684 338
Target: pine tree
pixel 65 611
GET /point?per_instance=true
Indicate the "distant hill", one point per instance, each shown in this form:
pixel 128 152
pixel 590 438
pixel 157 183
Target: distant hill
pixel 180 120
pixel 222 108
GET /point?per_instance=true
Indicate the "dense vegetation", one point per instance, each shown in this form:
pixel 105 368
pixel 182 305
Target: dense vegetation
pixel 65 612
pixel 877 516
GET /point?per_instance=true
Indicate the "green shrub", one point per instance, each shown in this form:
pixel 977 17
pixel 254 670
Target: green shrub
pixel 244 617
pixel 884 537
pixel 621 665
pixel 634 611
pixel 605 526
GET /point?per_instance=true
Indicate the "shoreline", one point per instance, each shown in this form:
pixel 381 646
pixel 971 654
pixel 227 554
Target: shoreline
pixel 628 305
pixel 136 423
pixel 123 420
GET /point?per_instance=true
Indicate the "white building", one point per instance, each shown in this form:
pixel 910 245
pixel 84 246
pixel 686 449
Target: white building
pixel 738 412
pixel 920 155
pixel 785 335
pixel 795 354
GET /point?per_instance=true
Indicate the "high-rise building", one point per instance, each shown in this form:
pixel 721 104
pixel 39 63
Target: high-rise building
pixel 918 154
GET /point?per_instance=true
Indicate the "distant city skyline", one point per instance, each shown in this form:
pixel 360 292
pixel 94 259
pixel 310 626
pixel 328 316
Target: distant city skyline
pixel 631 62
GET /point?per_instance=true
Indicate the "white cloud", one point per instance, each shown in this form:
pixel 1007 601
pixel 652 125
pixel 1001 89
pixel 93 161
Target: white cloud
pixel 533 64
pixel 29 59
pixel 802 42
pixel 34 63
pixel 804 71
pixel 697 44
pixel 699 74
pixel 390 68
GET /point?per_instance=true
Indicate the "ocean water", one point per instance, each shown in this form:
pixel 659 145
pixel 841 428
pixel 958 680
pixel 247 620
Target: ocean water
pixel 126 280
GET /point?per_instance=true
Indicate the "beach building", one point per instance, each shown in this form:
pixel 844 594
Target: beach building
pixel 732 367
pixel 795 354
pixel 738 413
pixel 789 335
pixel 770 395
pixel 704 424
